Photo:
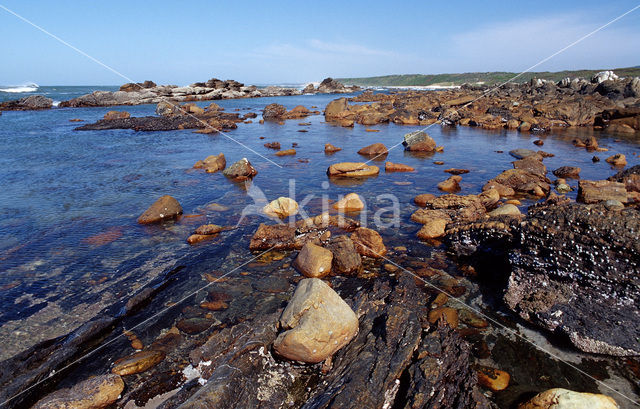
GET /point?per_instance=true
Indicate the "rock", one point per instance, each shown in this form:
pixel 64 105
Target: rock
pixel 138 362
pixel 505 210
pixel 538 142
pixel 493 379
pixel 350 203
pixel 374 149
pixel 282 207
pixel 272 145
pixel 590 143
pixel 531 164
pixel 209 229
pixel 32 102
pixel 522 153
pixel 165 208
pixel 617 160
pixel 338 108
pixel 471 319
pixel 630 177
pixel 352 169
pixel 273 112
pixel 419 141
pixel 559 398
pixel 309 89
pixel 368 242
pixel 601 190
pixel 563 188
pixel 567 256
pixel 111 115
pixel 95 393
pixel 433 229
pixel 317 323
pixel 397 167
pixel 346 259
pixel 331 86
pixel 604 76
pixel 278 237
pixel 455 171
pixel 241 170
pixel 194 325
pixel 286 152
pixel 328 148
pixel 521 181
pixel 313 261
pixel 193 109
pixel 212 163
pixel 422 199
pixel 452 184
pixel 569 172
pixel 446 314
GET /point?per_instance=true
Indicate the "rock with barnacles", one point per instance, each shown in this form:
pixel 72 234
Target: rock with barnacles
pixel 317 323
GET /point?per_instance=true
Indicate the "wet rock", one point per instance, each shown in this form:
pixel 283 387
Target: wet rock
pixel 522 153
pixel 590 191
pixel 452 184
pixel 350 203
pixel 375 149
pixel 286 152
pixel 272 145
pixel 346 259
pixel 433 228
pixel 273 112
pixel 422 199
pixel 455 171
pixel 313 261
pixel 194 325
pixel 337 109
pixel 212 163
pixel 165 208
pixel 617 160
pixel 271 285
pixel 328 148
pixel 317 323
pixel 472 319
pixel 282 207
pixel 531 164
pixel 397 167
pixel 630 177
pixel 94 393
pixel 444 314
pixel 240 170
pixel 568 257
pixel 111 115
pixel 493 379
pixel 589 142
pixel 568 172
pixel 559 398
pixel 165 108
pixel 278 237
pixel 419 141
pixel 352 169
pixel 209 229
pixel 214 305
pixel 521 181
pixel 138 362
pixel 368 243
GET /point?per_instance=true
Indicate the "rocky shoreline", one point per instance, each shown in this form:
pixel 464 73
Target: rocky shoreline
pixel 332 314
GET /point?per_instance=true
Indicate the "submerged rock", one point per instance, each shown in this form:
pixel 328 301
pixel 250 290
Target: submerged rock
pixel 352 169
pixel 138 362
pixel 317 323
pixel 165 208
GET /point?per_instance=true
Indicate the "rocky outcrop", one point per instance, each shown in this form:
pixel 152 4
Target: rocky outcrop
pixel 32 102
pixel 330 86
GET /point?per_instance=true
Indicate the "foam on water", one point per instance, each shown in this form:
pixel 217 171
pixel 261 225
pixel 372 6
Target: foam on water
pixel 28 87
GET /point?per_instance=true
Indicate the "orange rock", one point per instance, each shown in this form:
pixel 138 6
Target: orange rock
pixel 286 152
pixel 214 305
pixel 449 315
pixel 328 148
pixel 492 378
pixel 397 167
pixel 452 184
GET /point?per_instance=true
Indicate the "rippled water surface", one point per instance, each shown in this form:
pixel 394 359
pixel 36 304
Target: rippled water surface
pixel 70 244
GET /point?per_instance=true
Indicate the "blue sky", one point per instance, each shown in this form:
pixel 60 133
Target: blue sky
pixel 178 42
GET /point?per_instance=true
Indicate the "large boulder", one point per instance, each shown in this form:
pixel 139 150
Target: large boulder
pixel 368 242
pixel 419 141
pixel 240 170
pixel 94 393
pixel 337 109
pixel 317 323
pixel 273 112
pixel 165 208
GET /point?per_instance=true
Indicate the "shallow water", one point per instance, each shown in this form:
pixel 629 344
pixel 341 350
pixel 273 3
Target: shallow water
pixel 70 199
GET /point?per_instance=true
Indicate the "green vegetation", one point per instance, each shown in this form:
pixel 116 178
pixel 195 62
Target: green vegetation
pixel 473 77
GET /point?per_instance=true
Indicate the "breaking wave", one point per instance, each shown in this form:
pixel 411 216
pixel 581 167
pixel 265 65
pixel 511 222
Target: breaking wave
pixel 29 87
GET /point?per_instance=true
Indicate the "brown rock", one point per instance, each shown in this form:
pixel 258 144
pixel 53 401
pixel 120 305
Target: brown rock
pixel 617 160
pixel 208 229
pixel 197 238
pixel 352 169
pixel 571 172
pixel 419 141
pixel 422 199
pixel 317 323
pixel 286 152
pixel 397 167
pixel 241 170
pixel 138 362
pixel 559 398
pixel 531 164
pixel 272 145
pixel 337 109
pixel 214 305
pixel 601 190
pixel 349 203
pixel 164 208
pixel 278 236
pixel 313 261
pixel 368 242
pixel 95 393
pixel 493 379
pixel 282 207
pixel 449 315
pixel 432 229
pixel 214 163
pixel 455 171
pixel 328 148
pixel 452 184
pixel 374 149
pixel 273 112
pixel 111 115
pixel 346 259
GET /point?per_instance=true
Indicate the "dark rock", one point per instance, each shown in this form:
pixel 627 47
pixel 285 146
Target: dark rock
pixel 165 208
pixel 94 393
pixel 240 170
pixel 346 259
pixel 273 112
pixel 571 172
pixel 32 102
